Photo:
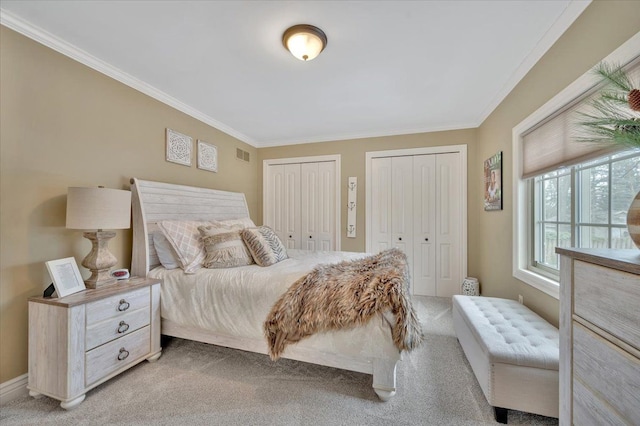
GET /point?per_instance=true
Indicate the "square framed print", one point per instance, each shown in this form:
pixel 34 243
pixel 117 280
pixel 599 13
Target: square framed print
pixel 66 276
pixel 179 147
pixel 207 156
pixel 493 183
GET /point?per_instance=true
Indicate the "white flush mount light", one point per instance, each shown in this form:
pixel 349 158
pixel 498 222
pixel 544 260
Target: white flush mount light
pixel 305 42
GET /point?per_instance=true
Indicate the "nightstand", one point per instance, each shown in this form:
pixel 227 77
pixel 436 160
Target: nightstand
pixel 82 340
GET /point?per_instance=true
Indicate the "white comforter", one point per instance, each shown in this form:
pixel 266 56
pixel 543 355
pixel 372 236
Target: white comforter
pixel 236 301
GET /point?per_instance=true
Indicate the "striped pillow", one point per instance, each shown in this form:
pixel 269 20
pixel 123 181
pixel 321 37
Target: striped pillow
pixel 264 245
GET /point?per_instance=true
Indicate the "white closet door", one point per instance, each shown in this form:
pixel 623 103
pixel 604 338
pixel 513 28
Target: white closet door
pixel 448 223
pixel 291 213
pixel 402 205
pixel 424 220
pixel 380 204
pixel 283 208
pixel 326 219
pixel 274 210
pixel 310 198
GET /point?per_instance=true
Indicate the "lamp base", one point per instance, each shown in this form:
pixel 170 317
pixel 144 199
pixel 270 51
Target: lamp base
pixel 99 260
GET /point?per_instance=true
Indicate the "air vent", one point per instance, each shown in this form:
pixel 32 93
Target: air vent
pixel 242 155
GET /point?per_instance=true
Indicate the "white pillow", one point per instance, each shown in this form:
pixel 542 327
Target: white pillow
pixel 165 252
pixel 184 237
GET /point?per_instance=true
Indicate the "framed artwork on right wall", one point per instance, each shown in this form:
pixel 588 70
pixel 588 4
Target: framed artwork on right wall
pixel 493 183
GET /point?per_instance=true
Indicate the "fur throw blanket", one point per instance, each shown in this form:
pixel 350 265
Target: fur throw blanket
pixel 342 295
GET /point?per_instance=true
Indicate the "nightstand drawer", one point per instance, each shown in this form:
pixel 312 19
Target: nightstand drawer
pixel 113 328
pixel 608 299
pixel 110 357
pixel 118 305
pixel 613 372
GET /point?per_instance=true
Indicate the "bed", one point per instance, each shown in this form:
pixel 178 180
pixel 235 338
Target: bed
pixel 228 307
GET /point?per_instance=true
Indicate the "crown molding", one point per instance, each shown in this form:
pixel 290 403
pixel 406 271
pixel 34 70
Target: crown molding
pixel 45 38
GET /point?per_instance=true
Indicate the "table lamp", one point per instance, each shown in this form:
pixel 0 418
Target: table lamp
pixel 97 209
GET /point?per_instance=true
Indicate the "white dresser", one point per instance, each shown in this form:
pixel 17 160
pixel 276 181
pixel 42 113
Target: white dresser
pixel 82 340
pixel 599 337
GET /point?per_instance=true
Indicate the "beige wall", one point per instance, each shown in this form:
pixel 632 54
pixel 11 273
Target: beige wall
pixel 352 159
pixel 64 124
pixel 602 28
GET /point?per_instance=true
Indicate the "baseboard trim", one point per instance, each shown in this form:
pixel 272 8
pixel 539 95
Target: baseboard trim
pixel 13 389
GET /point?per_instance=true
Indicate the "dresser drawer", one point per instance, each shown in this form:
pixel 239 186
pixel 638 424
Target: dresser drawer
pixel 613 372
pixel 120 353
pixel 608 299
pixel 589 410
pixel 112 328
pixel 118 305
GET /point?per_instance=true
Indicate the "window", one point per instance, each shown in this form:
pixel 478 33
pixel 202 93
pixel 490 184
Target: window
pixel 567 193
pixel 582 206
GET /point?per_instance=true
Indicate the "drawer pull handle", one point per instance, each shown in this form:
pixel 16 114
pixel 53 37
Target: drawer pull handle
pixel 123 327
pixel 123 306
pixel 123 354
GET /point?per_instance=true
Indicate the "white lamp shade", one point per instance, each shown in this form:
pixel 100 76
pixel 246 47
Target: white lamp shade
pixel 98 208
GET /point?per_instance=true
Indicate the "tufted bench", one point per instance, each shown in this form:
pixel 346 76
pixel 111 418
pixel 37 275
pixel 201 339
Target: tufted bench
pixel 513 353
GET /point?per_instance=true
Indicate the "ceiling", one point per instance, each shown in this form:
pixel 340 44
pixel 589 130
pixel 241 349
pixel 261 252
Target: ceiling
pixel 390 67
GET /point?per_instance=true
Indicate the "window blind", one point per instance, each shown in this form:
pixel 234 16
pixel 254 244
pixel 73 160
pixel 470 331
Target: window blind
pixel 551 144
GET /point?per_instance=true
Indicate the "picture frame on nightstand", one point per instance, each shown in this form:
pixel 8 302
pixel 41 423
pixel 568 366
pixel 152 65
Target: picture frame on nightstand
pixel 66 276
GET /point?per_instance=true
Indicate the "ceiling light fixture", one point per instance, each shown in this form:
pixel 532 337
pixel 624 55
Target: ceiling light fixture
pixel 305 42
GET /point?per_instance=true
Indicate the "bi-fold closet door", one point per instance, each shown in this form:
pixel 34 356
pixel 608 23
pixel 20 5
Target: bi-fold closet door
pixel 415 206
pixel 300 204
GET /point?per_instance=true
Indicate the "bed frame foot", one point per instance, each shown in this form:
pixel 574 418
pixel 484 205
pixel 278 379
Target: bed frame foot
pixel 500 414
pixel 384 378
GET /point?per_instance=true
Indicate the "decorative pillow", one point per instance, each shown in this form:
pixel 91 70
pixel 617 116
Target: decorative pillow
pixel 264 245
pixel 184 237
pixel 165 252
pixel 224 247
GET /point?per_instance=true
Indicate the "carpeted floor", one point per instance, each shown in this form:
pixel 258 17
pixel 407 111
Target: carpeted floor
pixel 199 384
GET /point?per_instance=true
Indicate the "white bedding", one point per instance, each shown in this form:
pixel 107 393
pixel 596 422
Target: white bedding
pixel 236 301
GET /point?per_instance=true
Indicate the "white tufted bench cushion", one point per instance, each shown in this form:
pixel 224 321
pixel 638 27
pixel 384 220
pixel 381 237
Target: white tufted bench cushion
pixel 509 347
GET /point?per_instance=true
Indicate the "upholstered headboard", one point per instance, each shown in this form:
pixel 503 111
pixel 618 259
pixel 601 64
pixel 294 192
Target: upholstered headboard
pixel 153 202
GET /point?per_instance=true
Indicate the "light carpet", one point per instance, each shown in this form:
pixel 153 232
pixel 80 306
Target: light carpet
pixel 200 384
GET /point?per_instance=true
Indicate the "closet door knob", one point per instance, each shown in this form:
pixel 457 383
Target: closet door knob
pixel 426 239
pixel 290 236
pixel 400 239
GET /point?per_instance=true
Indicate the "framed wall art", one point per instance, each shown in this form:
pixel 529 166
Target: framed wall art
pixel 493 183
pixel 179 147
pixel 207 156
pixel 65 276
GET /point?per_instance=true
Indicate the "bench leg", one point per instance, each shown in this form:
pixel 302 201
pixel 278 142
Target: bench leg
pixel 501 414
